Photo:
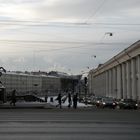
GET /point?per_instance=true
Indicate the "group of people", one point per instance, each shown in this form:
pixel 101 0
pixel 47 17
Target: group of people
pixel 71 100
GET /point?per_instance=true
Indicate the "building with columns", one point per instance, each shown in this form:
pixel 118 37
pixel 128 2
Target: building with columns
pixel 119 77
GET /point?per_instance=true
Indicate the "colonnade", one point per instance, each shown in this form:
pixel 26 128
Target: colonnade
pixel 123 80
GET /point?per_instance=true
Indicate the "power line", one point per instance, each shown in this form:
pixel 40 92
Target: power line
pixel 58 42
pixel 64 24
pixel 95 12
pixel 120 24
pixel 43 42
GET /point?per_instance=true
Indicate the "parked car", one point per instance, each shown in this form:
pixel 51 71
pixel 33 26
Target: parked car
pixel 128 104
pixel 108 102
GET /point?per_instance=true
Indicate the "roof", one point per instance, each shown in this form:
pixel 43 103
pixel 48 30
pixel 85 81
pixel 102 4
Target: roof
pixel 125 52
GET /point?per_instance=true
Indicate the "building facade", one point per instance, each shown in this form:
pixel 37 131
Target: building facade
pixel 119 77
pixel 37 84
pixel 27 83
pixel 51 85
pixel 23 83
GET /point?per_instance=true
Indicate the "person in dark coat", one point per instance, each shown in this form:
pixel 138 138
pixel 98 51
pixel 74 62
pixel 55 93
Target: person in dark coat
pixel 59 100
pixel 69 99
pixel 75 99
pixel 13 98
pixel 46 98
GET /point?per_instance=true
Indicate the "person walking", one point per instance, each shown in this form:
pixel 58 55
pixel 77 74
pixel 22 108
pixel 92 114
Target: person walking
pixel 13 98
pixel 69 100
pixel 46 98
pixel 59 100
pixel 75 99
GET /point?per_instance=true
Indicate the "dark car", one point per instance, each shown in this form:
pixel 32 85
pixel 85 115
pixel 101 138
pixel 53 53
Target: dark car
pixel 128 104
pixel 108 102
pixel 97 101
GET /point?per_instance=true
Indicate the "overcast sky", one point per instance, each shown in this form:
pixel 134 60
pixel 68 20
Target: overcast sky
pixel 65 35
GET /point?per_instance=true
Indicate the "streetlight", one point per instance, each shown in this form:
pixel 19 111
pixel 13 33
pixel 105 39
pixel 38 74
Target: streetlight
pixel 94 56
pixel 109 33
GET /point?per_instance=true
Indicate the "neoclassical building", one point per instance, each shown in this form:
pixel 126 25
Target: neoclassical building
pixel 119 77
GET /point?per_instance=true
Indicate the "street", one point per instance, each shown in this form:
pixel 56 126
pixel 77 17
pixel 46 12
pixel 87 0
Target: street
pixel 69 124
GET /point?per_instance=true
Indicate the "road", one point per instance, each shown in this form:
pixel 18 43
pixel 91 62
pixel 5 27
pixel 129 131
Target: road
pixel 69 124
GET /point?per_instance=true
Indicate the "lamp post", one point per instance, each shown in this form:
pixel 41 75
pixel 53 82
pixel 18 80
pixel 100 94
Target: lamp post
pixel 109 33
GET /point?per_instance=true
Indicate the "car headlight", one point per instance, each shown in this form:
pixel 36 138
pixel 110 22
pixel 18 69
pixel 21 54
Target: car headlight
pixel 98 102
pixel 136 104
pixel 114 104
pixel 104 103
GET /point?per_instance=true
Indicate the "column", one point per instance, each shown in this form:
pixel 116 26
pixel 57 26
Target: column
pixel 114 81
pixel 124 81
pixel 102 84
pixel 107 83
pixel 138 77
pixel 110 83
pixel 128 79
pixel 111 88
pixel 90 82
pixel 118 82
pixel 133 78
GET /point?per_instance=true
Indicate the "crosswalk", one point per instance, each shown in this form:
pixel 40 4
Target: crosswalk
pixel 68 125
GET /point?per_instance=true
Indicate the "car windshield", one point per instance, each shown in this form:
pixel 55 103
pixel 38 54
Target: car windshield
pixel 129 101
pixel 99 98
pixel 108 99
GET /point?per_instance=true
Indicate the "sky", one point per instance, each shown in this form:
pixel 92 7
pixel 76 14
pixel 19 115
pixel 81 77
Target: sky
pixel 70 36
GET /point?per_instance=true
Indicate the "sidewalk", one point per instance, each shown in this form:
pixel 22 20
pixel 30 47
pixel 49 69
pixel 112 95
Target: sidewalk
pixel 38 105
pixel 22 105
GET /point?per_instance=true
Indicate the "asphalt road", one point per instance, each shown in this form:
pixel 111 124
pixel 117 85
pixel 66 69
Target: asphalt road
pixel 69 124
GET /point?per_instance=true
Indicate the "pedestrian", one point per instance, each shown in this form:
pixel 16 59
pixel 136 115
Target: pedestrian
pixel 59 100
pixel 46 98
pixel 13 98
pixel 69 100
pixel 75 99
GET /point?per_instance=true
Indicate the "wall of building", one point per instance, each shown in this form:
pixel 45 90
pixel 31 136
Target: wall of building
pixel 37 84
pixel 22 83
pixel 51 85
pixel 119 77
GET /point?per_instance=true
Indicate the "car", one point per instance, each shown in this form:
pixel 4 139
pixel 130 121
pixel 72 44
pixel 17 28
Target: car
pixel 86 100
pixel 97 101
pixel 128 104
pixel 108 102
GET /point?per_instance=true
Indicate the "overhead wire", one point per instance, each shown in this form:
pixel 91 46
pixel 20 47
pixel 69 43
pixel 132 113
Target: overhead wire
pixel 41 23
pixel 96 11
pixel 56 42
pixel 84 46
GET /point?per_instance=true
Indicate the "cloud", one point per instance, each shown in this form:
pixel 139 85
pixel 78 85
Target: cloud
pixel 68 10
pixel 3 2
pixel 57 67
pixel 16 12
pixel 14 24
pixel 19 60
